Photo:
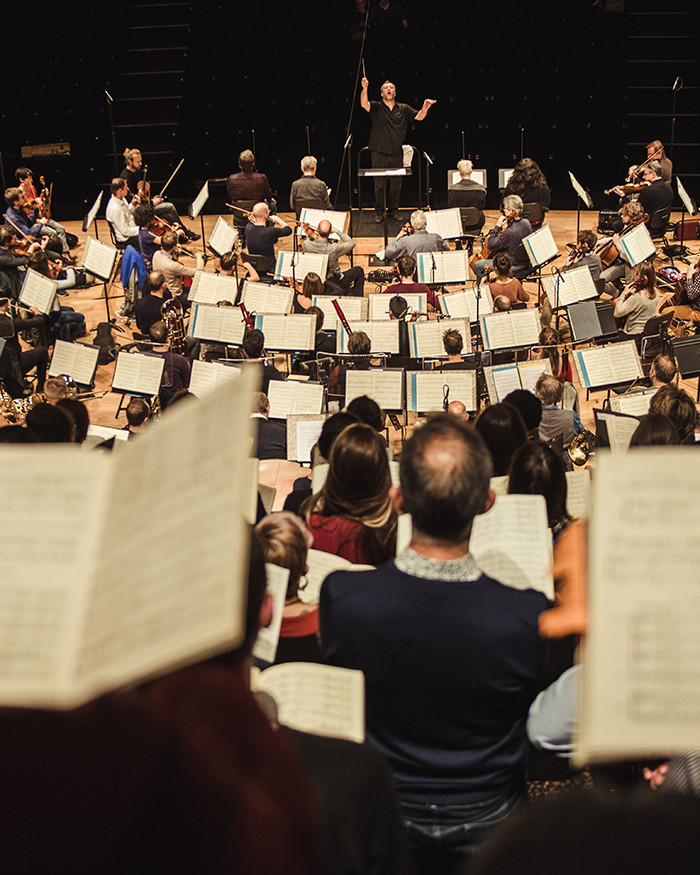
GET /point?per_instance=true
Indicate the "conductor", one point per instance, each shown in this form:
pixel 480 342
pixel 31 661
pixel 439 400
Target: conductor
pixel 389 123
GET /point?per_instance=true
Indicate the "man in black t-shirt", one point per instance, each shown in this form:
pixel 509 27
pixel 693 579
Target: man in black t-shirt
pixel 389 124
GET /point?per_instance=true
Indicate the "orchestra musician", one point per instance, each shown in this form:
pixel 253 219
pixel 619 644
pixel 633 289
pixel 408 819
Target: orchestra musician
pixel 120 213
pixel 655 152
pixel 15 362
pixel 638 301
pixel 263 231
pixel 166 261
pixel 13 259
pixel 405 284
pixel 467 192
pixel 506 236
pixel 25 180
pixel 134 173
pixel 529 183
pixel 414 238
pixel 346 282
pixel 631 214
pixel 249 185
pixel 25 219
pixel 389 124
pixel 308 187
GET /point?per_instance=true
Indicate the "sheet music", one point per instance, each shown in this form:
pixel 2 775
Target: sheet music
pixel 104 432
pixel 530 372
pixel 210 288
pixel 321 699
pixel 38 291
pixel 620 430
pixel 634 403
pixel 93 211
pixel 506 379
pixel 385 386
pixel 264 298
pixel 306 434
pixel 580 191
pixel 199 202
pixel 76 360
pixel 574 285
pixel 99 258
pixel 222 324
pixel 320 566
pixel 497 331
pixel 450 267
pixel 265 647
pixel 384 336
pixel 446 223
pixel 223 238
pixel 163 589
pixel 540 246
pixel 578 493
pixel 425 338
pixel 51 515
pixel 685 198
pixel 426 389
pixel 607 365
pixel 138 372
pixel 526 326
pixel 206 377
pixel 318 477
pixel 309 216
pixel 640 693
pixel 462 305
pixel 290 396
pixel 379 304
pixel 637 244
pixel 294 332
pixel 354 308
pixel 499 484
pixel 298 264
pixel 250 470
pixel 524 559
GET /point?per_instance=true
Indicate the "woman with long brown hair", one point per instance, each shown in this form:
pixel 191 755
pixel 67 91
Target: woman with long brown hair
pixel 353 515
pixel 638 301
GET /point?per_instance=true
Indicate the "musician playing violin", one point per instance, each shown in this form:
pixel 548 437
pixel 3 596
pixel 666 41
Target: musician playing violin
pixel 638 301
pixel 24 219
pixel 347 282
pixel 584 256
pixel 166 261
pixel 506 236
pixel 134 173
pixel 655 152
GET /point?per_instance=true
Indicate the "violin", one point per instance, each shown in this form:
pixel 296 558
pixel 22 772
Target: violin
pixel 143 188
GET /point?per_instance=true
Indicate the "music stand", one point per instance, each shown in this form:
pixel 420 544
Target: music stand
pixel 384 172
pixel 584 196
pixel 686 351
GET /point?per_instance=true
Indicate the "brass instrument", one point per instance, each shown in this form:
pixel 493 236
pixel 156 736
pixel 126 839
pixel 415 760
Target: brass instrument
pixel 580 448
pixel 154 404
pixel 171 312
pixel 15 409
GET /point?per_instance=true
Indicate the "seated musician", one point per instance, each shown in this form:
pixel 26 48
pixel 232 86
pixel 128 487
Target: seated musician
pixel 12 264
pixel 120 214
pixel 505 284
pixel 166 261
pixel 149 243
pixel 631 214
pixel 176 373
pixel 655 152
pixel 346 282
pixel 638 302
pixel 414 238
pixel 227 267
pixel 467 192
pixel 133 173
pixel 149 308
pixel 254 347
pixel 359 344
pixel 308 187
pixel 453 344
pixel 405 284
pixel 263 231
pixel 64 322
pixel 25 180
pixel 16 362
pixel 248 185
pixel 506 236
pixel 657 196
pixel 529 183
pixel 25 220
pixel 584 254
pixel 691 310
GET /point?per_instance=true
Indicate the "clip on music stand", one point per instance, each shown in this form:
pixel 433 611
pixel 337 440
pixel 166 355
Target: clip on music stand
pixel 384 172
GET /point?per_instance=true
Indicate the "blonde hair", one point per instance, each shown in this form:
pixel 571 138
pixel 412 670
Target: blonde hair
pixel 285 541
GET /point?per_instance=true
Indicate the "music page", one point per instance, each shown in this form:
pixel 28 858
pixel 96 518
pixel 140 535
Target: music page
pixel 222 324
pixel 443 267
pixel 292 333
pixel 138 372
pixel 264 298
pixel 210 288
pixel 578 493
pixel 425 338
pixel 497 331
pixel 290 396
pixel 265 647
pixel 427 389
pixel 634 403
pixel 446 223
pixel 385 386
pixel 526 326
pixel 640 690
pixel 354 308
pixel 223 238
pixel 297 264
pixel 384 336
pixel 312 217
pixel 38 291
pixel 379 304
pixel 170 578
pixel 302 433
pixel 206 377
pixel 320 566
pixel 99 258
pixel 530 372
pixel 637 244
pixel 506 379
pixel 523 559
pixel 321 699
pixel 540 246
pixel 76 360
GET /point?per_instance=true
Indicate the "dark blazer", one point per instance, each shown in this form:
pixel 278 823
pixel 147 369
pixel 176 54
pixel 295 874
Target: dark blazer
pixel 271 440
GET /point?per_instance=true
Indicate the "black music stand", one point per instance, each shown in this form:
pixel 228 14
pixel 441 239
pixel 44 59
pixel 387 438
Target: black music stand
pixel 686 351
pixel 384 172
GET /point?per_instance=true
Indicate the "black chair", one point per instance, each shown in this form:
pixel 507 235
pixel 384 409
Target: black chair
pixel 654 336
pixel 534 213
pixel 260 262
pixel 658 224
pixel 308 204
pixel 472 222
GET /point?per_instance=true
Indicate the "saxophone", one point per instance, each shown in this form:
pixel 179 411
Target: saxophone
pixel 171 311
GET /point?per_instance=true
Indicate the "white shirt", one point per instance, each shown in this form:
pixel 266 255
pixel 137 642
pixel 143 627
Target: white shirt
pixel 121 216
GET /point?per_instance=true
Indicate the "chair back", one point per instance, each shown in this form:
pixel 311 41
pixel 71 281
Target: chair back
pixel 472 219
pixel 534 213
pixel 310 203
